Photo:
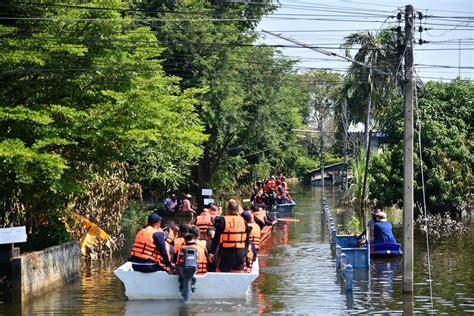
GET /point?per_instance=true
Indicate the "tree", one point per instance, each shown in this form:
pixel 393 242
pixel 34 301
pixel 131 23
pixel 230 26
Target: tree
pixel 83 94
pixel 250 106
pixel 445 111
pixel 368 87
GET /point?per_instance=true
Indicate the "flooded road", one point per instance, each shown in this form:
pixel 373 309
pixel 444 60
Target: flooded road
pixel 298 275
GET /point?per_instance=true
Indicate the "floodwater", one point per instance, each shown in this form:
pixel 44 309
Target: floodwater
pixel 298 275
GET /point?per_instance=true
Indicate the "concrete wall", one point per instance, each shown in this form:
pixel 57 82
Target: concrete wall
pixel 37 272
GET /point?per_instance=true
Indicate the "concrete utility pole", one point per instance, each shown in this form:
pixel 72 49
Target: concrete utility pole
pixel 408 198
pixel 322 155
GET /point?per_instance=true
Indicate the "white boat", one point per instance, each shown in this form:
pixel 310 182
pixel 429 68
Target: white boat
pixel 163 286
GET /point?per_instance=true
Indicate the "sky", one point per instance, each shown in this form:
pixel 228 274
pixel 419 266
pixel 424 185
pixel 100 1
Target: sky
pixel 325 23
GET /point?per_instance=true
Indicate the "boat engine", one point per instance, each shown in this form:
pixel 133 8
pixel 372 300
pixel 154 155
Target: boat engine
pixel 187 269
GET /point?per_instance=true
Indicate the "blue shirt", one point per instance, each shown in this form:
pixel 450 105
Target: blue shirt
pixel 383 232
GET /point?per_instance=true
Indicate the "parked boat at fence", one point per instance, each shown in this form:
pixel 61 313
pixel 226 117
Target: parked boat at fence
pixel 386 249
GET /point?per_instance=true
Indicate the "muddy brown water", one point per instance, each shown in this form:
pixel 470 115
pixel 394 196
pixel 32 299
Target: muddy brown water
pixel 298 275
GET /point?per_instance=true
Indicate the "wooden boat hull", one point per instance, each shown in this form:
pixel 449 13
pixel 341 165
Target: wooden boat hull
pixel 163 286
pixel 285 208
pixel 386 249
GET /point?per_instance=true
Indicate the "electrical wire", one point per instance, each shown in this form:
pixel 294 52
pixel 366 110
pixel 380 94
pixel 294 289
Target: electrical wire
pixel 425 215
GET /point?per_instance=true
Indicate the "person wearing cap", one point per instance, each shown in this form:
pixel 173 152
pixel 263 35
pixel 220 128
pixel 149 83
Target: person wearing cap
pixel 150 252
pixel 192 243
pixel 232 238
pixel 370 225
pixel 383 230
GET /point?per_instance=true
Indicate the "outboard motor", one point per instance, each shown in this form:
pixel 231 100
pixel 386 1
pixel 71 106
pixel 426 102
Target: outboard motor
pixel 187 269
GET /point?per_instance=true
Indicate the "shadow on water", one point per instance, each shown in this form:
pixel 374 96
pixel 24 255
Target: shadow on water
pixel 298 275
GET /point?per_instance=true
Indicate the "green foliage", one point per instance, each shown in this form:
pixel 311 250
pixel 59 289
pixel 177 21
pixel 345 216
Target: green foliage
pixel 446 111
pixel 358 169
pixel 83 92
pixel 253 97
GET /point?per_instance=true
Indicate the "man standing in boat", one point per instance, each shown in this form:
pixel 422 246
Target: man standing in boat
pixel 150 251
pixel 232 238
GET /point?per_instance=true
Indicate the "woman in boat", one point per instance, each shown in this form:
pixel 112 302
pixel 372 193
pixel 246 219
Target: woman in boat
pixel 383 230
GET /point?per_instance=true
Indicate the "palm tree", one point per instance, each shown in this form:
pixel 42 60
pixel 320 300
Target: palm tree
pixel 366 87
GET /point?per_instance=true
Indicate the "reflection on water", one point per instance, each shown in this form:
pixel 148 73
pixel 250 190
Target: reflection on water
pixel 298 275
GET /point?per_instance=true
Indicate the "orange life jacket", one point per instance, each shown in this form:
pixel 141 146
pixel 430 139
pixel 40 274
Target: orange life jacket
pixel 171 236
pixel 234 234
pixel 255 234
pixel 204 222
pixel 251 256
pixel 145 248
pixel 178 243
pixel 201 257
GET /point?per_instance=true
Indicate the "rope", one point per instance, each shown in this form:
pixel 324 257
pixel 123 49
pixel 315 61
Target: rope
pixel 418 124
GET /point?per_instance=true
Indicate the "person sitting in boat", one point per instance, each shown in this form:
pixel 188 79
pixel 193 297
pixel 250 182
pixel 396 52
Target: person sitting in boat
pixel 231 237
pixel 254 240
pixel 204 221
pixel 214 210
pixel 383 230
pixel 170 203
pixel 191 243
pixel 282 194
pixel 194 230
pixel 179 241
pixel 186 206
pixel 171 232
pixel 150 252
pixel 370 225
pixel 260 216
pixel 271 185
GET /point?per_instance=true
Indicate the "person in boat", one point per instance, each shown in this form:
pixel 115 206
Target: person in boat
pixel 260 216
pixel 171 232
pixel 171 203
pixel 196 232
pixel 282 194
pixel 271 184
pixel 383 232
pixel 232 238
pixel 186 207
pixel 150 252
pixel 204 221
pixel 254 239
pixel 370 226
pixel 202 256
pixel 179 241
pixel 214 210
